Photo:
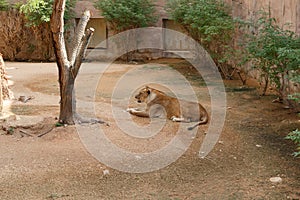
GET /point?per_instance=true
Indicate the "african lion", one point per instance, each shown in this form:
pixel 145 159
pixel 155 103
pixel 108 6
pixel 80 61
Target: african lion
pixel 175 109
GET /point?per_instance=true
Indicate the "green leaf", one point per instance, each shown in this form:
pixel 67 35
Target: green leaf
pixel 124 15
pixel 58 124
pixel 39 11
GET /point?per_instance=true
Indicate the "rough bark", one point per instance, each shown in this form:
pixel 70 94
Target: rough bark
pixel 82 49
pixel 6 93
pixel 285 88
pixel 79 34
pixel 68 67
pixel 1 98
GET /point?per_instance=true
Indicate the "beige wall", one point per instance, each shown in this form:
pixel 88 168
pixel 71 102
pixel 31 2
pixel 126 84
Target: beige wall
pixel 284 11
pixel 100 34
pixel 171 43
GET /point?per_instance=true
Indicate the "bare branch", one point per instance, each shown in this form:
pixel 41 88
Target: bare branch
pixel 83 46
pixel 68 67
pixel 78 36
pixel 57 29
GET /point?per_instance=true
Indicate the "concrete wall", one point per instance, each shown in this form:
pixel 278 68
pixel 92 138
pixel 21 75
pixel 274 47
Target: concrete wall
pixel 284 11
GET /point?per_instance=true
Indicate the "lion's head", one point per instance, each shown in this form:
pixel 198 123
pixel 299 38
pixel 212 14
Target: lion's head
pixel 143 94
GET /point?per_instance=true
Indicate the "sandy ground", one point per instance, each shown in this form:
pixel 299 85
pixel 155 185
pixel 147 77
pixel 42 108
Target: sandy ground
pixel 250 150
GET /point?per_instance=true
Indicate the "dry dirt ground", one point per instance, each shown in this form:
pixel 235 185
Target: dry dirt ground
pixel 250 150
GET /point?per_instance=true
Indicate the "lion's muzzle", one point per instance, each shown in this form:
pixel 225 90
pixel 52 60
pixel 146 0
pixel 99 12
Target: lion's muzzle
pixel 138 99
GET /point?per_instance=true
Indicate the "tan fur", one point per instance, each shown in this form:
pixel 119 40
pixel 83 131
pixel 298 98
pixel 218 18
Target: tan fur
pixel 171 105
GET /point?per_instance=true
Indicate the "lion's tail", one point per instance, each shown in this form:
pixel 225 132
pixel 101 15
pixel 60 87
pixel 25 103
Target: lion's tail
pixel 203 121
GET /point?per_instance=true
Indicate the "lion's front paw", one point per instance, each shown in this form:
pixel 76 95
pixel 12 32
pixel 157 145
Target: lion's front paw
pixel 176 119
pixel 131 110
pixel 173 118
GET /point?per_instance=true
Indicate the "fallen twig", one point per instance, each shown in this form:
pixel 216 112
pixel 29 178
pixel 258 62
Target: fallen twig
pixel 48 131
pixel 24 132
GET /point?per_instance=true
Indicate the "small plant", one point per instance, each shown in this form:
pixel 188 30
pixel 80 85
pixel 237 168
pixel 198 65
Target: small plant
pixel 57 124
pixel 275 52
pixel 296 96
pixel 3 5
pixel 295 137
pixel 10 130
pixel 17 5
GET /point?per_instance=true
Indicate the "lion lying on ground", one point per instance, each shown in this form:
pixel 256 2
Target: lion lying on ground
pixel 175 110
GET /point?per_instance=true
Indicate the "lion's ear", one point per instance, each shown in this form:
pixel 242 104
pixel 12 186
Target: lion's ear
pixel 148 89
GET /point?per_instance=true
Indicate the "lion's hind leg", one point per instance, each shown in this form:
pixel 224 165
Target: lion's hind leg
pixel 203 121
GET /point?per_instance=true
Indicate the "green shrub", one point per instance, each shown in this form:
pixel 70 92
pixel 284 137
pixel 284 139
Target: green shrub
pixel 39 11
pixel 207 21
pixel 274 51
pixel 296 96
pixel 295 137
pixel 3 5
pixel 124 15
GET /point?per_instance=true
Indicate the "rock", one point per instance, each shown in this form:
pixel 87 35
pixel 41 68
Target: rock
pixel 105 172
pixel 276 179
pixel 25 121
pixel 138 157
pixel 25 99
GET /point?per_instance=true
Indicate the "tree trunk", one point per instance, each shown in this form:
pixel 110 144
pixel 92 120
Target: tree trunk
pixel 78 35
pixel 57 28
pixel 1 96
pixel 284 89
pixel 68 65
pixel 266 85
pixel 5 92
pixel 67 104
